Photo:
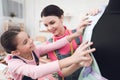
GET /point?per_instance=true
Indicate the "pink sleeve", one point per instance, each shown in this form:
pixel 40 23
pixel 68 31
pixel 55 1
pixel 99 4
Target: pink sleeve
pixel 52 46
pixel 33 71
pixel 80 37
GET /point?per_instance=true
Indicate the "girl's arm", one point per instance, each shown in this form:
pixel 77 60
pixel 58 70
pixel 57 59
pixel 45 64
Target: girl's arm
pixel 42 49
pixel 33 71
pixel 45 48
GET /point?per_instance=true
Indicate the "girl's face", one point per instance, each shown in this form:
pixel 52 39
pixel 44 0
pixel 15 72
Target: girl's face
pixel 25 43
pixel 54 25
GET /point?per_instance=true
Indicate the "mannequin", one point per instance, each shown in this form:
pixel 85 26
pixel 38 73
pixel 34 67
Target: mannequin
pixel 106 39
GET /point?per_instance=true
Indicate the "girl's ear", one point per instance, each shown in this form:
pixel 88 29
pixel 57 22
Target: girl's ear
pixel 15 52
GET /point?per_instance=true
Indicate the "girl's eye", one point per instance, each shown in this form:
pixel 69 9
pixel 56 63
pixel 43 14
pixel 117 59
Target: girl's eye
pixel 25 42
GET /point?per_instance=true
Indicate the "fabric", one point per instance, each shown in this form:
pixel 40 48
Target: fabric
pixel 106 40
pixel 17 67
pixel 93 72
pixel 48 77
pixel 65 52
pixel 66 49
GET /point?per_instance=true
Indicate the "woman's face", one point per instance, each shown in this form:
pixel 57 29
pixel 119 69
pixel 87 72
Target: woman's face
pixel 54 25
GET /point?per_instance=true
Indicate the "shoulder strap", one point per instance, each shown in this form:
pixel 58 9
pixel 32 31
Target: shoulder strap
pixel 50 40
pixel 15 57
pixel 76 39
pixel 36 58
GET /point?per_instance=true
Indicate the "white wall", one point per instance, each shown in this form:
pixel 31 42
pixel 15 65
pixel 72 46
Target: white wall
pixel 1 20
pixel 30 17
pixel 75 8
pixel 1 16
pixel 4 19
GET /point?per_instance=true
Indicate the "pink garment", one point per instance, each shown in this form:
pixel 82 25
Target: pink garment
pixel 18 68
pixel 64 50
pixel 48 77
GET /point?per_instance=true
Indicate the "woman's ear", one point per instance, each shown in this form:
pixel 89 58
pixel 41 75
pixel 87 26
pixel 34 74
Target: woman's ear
pixel 15 52
pixel 62 17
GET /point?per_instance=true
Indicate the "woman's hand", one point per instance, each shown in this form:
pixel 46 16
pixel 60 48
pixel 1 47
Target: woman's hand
pixel 84 22
pixel 93 12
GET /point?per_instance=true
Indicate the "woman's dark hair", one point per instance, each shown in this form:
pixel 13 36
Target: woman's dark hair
pixel 52 10
pixel 7 39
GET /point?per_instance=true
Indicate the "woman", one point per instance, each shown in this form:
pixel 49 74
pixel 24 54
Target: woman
pixel 52 17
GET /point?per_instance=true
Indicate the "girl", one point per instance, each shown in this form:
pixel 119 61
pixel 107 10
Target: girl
pixel 23 63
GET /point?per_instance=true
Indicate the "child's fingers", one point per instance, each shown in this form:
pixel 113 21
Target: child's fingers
pixel 86 46
pixel 88 51
pixel 83 58
pixel 84 43
pixel 85 64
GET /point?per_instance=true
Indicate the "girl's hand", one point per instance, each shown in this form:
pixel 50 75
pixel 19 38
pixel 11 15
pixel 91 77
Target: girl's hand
pixel 82 52
pixel 86 63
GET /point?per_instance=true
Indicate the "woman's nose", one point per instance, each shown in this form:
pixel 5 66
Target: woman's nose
pixel 49 27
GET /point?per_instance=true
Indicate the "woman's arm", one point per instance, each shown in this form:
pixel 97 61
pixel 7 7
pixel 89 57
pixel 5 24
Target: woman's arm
pixel 69 70
pixel 72 68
